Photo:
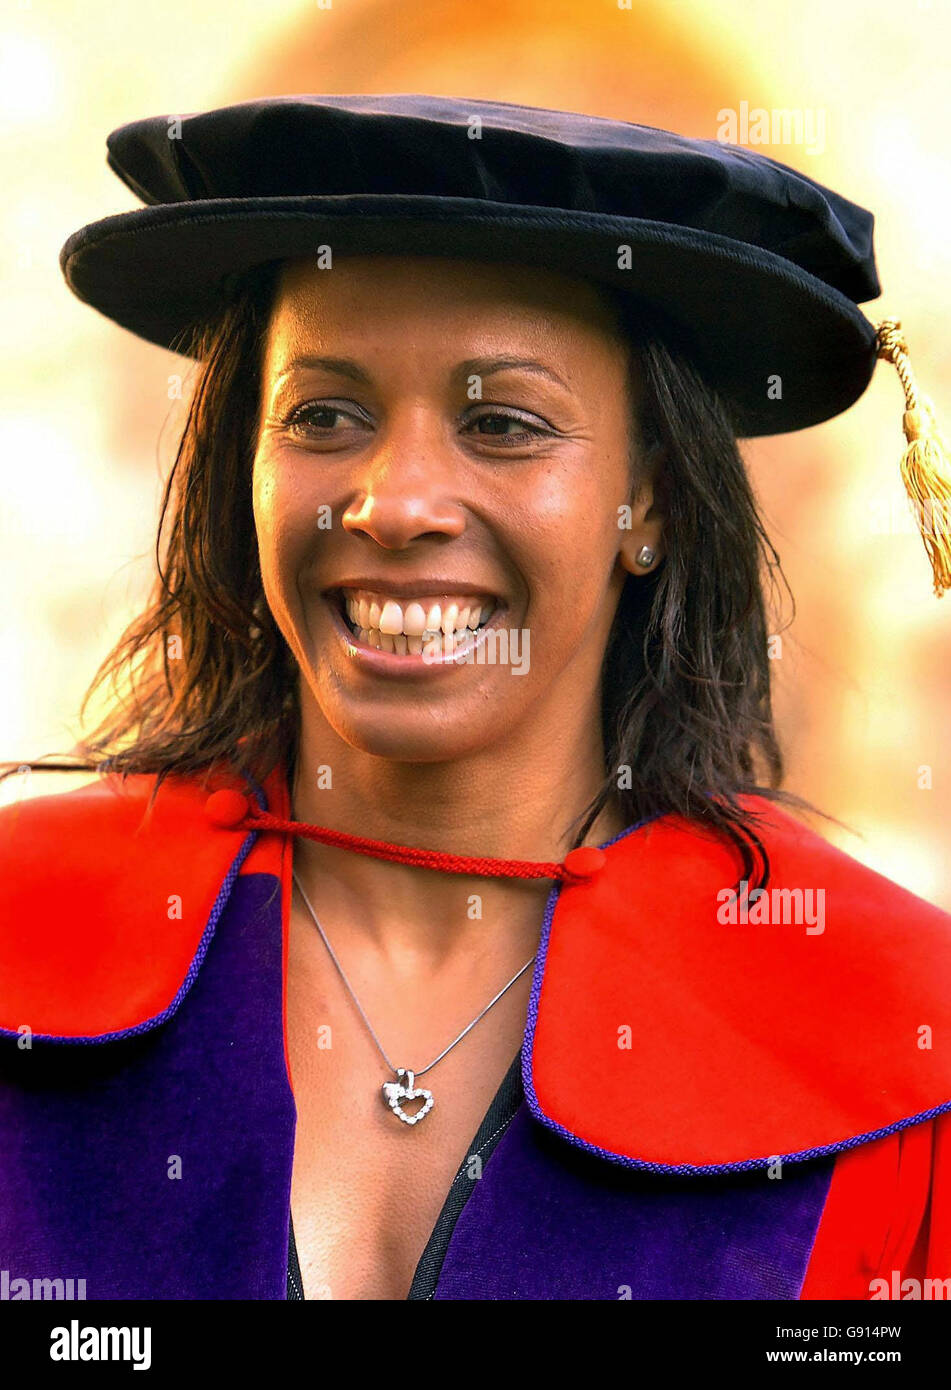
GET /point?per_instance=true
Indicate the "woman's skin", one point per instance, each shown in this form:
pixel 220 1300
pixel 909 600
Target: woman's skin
pixel 468 757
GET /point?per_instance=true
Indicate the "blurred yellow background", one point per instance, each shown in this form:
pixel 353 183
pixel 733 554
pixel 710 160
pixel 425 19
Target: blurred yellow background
pixel 88 428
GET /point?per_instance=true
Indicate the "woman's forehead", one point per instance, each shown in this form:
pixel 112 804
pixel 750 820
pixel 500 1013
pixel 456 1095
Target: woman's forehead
pixel 362 296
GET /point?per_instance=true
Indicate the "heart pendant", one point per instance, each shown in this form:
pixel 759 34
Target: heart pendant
pixel 396 1091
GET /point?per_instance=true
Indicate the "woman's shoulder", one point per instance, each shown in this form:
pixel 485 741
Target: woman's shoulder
pixel 106 894
pixel 726 1028
pixel 801 871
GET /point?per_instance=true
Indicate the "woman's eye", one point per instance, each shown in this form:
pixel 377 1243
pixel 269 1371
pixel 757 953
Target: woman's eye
pixel 319 418
pixel 498 421
pixel 323 419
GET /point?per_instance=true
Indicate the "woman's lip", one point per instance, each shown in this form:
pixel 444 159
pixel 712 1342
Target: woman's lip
pixel 422 589
pixel 391 663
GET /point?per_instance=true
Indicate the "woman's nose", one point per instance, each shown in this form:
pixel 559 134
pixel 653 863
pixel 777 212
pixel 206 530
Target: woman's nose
pixel 406 493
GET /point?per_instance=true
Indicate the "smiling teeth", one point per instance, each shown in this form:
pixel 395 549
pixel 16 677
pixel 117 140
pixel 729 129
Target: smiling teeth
pixel 409 628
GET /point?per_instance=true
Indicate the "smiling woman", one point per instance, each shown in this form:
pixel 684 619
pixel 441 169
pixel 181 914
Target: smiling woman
pixel 328 819
pixel 435 506
pixel 316 456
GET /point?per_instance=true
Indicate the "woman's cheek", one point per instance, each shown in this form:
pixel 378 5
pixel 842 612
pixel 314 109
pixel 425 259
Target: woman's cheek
pixel 276 515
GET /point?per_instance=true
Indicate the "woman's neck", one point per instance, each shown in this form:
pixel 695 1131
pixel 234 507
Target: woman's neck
pixel 520 801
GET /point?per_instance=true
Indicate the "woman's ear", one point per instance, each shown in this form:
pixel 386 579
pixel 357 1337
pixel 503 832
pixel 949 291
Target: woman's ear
pixel 642 530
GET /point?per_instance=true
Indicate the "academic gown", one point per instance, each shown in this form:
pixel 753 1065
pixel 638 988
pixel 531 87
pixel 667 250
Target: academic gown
pixel 710 1109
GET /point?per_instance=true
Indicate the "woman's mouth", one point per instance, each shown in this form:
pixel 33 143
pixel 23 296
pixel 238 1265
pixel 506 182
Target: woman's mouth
pixel 432 628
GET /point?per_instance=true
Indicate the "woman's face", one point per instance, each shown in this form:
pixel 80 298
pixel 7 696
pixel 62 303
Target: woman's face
pixel 443 450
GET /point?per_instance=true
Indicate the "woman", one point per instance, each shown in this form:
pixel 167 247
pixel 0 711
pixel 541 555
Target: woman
pixel 462 576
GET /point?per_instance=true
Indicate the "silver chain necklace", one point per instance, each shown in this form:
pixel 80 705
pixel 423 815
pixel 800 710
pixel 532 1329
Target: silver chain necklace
pixel 404 1087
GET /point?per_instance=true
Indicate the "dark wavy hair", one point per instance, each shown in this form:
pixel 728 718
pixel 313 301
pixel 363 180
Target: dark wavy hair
pixel 687 716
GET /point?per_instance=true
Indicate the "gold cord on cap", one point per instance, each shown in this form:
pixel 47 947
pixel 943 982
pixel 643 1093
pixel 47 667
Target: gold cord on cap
pixel 925 469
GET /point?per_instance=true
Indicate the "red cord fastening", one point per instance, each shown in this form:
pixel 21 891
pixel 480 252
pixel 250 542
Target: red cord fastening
pixel 231 810
pixel 586 861
pixel 227 809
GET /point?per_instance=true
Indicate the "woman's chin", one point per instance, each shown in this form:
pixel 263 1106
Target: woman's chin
pixel 405 740
pixel 409 748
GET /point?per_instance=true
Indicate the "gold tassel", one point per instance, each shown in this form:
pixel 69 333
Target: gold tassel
pixel 925 469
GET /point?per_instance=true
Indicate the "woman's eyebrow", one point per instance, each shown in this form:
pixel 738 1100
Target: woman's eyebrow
pixel 341 366
pixel 472 366
pixel 484 366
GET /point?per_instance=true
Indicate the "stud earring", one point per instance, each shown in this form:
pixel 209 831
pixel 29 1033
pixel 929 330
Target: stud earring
pixel 645 556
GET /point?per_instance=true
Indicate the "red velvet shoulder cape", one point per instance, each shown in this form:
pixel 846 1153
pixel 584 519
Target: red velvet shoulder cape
pixel 661 1034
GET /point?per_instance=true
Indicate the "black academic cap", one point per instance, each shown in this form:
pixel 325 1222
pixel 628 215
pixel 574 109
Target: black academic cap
pixel 759 268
